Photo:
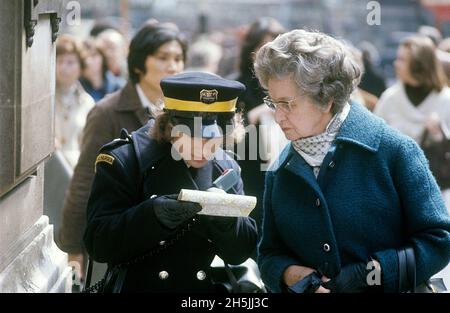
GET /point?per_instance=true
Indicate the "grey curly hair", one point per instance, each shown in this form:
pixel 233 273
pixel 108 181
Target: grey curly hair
pixel 322 67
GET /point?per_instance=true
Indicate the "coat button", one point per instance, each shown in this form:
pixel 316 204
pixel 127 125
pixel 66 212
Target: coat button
pixel 163 275
pixel 331 165
pixel 326 247
pixel 317 202
pixel 153 196
pixel 162 243
pixel 201 275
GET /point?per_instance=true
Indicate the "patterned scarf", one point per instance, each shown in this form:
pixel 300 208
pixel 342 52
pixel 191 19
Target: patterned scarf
pixel 314 149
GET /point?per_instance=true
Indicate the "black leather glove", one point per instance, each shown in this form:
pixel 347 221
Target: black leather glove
pixel 309 284
pixel 171 212
pixel 351 279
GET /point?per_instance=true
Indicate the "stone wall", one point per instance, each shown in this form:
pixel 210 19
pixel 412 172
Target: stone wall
pixel 29 258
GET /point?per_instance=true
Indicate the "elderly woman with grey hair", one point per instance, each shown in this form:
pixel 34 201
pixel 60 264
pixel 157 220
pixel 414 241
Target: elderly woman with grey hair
pixel 349 196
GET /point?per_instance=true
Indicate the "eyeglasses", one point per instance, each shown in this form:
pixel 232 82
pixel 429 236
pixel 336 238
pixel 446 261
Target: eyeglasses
pixel 285 106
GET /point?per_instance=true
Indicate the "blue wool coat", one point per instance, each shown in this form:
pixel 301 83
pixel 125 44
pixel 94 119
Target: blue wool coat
pixel 374 194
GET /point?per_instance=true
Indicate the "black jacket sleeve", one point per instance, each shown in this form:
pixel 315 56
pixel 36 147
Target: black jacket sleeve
pixel 120 226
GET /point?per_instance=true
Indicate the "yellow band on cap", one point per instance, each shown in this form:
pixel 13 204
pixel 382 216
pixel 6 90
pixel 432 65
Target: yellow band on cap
pixel 194 106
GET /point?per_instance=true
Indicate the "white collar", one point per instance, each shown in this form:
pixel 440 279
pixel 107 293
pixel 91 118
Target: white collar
pixel 314 149
pixel 146 103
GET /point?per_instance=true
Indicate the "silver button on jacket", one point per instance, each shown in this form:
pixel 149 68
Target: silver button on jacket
pixel 163 275
pixel 201 275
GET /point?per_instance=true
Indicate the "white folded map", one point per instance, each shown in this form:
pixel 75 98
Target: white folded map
pixel 219 204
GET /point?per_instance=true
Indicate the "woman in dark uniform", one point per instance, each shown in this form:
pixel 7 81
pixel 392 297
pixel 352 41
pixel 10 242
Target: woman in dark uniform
pixel 133 215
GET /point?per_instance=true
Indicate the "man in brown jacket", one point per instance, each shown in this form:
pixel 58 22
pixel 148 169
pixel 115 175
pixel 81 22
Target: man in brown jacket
pixel 155 52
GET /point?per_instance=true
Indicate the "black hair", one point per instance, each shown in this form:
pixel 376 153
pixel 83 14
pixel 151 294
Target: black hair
pixel 257 32
pixel 101 26
pixel 146 42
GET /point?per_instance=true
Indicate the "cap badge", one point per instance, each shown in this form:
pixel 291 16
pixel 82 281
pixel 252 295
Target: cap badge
pixel 208 96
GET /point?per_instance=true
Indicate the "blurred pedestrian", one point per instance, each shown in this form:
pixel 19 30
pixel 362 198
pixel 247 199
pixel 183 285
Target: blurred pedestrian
pixel 372 80
pixel 359 95
pixel 431 32
pixel 419 104
pixel 443 55
pixel 204 55
pixel 102 25
pixel 261 31
pixel 257 142
pixel 96 79
pixel 115 48
pixel 72 103
pixel 420 93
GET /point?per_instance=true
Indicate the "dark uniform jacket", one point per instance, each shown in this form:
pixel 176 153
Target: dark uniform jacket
pixel 121 223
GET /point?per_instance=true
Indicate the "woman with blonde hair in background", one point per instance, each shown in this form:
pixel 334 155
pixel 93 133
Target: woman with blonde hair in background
pixel 418 105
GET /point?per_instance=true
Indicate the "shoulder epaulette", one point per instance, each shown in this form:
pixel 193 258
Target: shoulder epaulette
pixel 124 138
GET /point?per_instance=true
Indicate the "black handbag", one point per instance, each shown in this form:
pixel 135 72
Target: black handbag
pixel 407 275
pixel 438 155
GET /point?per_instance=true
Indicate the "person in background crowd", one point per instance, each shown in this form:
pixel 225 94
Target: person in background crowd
pixel 372 80
pixel 115 48
pixel 419 104
pixel 443 55
pixel 359 95
pixel 204 55
pixel 349 191
pixel 155 52
pixel 72 103
pixel 153 21
pixel 431 32
pixel 421 98
pixel 263 30
pixel 229 39
pixel 251 103
pixel 444 45
pixel 96 79
pixel 101 26
pixel 133 207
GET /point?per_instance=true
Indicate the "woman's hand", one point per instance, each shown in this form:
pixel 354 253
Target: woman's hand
pixel 352 278
pixel 322 289
pixel 295 273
